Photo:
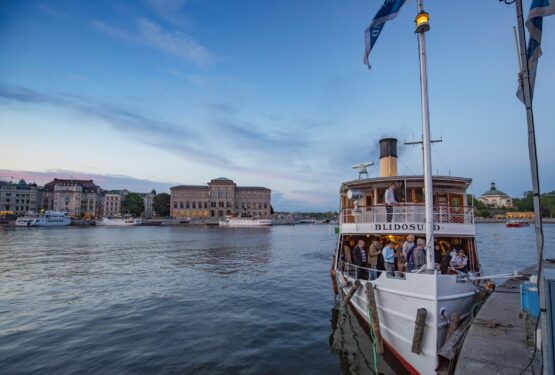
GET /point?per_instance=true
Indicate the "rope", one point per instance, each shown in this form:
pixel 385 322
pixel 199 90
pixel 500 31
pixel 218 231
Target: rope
pixel 373 341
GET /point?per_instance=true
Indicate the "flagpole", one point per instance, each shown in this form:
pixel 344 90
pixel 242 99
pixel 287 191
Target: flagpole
pixel 428 190
pixel 524 81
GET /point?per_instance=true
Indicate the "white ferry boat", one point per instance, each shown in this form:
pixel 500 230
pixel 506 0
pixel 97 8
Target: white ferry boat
pixel 245 222
pixel 435 287
pixel 48 219
pixel 120 221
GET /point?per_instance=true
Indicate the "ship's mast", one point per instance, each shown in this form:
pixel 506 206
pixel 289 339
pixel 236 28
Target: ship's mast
pixel 421 27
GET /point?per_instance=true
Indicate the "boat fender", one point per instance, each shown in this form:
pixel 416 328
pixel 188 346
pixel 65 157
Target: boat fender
pixel 375 321
pixel 352 292
pixel 333 275
pixel 419 326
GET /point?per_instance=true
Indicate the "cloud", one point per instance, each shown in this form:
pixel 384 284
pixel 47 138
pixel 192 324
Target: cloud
pixel 105 181
pixel 150 34
pixel 51 11
pixel 170 10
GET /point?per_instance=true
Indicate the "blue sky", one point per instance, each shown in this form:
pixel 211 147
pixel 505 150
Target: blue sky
pixel 153 93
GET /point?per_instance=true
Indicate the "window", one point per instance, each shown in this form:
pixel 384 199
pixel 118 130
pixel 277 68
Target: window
pixel 187 205
pixel 194 205
pixel 265 205
pixel 180 204
pixel 205 204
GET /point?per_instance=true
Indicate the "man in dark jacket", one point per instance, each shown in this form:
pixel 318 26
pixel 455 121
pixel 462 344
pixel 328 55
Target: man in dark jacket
pixel 360 258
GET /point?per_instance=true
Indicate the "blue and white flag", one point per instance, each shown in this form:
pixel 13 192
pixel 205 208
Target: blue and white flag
pixel 538 10
pixel 388 11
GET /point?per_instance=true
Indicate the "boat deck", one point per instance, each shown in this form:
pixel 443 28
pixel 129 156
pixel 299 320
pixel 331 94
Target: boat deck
pixel 502 349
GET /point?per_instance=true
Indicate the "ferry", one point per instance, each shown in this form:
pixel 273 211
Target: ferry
pixel 48 219
pixel 399 295
pixel 120 221
pixel 517 223
pixel 244 222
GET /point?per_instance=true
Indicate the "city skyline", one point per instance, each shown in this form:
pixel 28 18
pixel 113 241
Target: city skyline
pixel 158 93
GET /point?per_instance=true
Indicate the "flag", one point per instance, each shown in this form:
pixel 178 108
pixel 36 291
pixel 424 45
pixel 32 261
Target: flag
pixel 388 11
pixel 534 23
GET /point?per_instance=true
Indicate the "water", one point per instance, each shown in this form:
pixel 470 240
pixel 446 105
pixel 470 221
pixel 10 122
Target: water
pixel 191 299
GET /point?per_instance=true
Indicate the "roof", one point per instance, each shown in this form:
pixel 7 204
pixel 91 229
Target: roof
pixel 88 185
pixel 435 179
pixel 493 191
pixel 252 188
pixel 189 187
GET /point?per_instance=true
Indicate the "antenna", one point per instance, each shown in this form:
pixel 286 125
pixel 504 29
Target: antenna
pixel 362 169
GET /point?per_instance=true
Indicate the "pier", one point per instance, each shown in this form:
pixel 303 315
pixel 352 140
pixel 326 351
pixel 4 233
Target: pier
pixel 500 339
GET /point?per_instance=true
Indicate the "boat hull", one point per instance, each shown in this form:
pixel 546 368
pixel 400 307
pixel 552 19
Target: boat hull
pixel 398 300
pixel 119 222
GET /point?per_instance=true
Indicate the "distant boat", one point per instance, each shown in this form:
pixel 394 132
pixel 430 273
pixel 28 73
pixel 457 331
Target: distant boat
pixel 48 219
pixel 517 223
pixel 306 221
pixel 120 221
pixel 245 222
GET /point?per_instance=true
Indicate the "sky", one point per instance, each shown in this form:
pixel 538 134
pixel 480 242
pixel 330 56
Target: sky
pixel 155 93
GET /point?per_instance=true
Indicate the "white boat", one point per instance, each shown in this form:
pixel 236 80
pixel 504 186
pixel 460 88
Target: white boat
pixel 120 221
pixel 48 219
pixel 245 222
pixel 400 295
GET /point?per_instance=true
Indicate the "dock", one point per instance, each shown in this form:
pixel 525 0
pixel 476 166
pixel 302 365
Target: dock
pixel 500 340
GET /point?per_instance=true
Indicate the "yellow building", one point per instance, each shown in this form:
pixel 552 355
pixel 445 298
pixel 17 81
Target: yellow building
pixel 520 215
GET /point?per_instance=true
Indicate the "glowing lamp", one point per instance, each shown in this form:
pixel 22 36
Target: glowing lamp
pixel 421 20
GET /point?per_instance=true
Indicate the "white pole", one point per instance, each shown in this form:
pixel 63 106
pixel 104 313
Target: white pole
pixel 428 190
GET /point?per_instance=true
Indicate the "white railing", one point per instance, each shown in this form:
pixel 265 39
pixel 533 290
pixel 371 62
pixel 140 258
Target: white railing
pixel 407 213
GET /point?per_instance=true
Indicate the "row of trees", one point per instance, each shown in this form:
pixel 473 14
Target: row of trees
pixel 519 204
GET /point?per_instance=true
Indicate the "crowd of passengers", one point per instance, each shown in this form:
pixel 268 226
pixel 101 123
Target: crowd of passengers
pixel 390 257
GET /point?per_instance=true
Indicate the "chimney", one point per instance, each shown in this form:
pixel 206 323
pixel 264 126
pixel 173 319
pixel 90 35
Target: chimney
pixel 388 157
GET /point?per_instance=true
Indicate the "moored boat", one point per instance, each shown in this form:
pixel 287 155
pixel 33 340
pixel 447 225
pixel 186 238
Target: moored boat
pixel 119 222
pixel 244 222
pixel 48 219
pixel 517 223
pixel 440 289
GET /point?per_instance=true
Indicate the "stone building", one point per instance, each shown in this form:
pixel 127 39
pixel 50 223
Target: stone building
pixel 76 197
pixel 220 197
pixel 496 198
pixel 112 203
pixel 19 198
pixel 148 199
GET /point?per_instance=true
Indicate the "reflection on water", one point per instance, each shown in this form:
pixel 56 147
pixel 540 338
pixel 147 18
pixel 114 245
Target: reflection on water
pixel 350 340
pixel 191 300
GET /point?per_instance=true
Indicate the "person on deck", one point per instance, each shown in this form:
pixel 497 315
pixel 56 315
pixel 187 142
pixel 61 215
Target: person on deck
pixel 373 254
pixel 410 258
pixel 419 254
pixel 409 243
pixel 360 258
pixel 459 261
pixel 388 253
pixel 389 200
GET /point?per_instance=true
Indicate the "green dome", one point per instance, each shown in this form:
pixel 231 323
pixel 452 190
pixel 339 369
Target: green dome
pixel 494 191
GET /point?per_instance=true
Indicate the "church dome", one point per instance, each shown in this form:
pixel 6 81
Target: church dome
pixel 493 191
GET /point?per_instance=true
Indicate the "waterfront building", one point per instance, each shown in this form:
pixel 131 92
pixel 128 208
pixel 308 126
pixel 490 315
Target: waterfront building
pixel 76 197
pixel 496 198
pixel 19 198
pixel 148 199
pixel 220 197
pixel 112 203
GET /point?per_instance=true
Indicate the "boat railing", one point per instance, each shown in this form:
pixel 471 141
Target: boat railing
pixel 358 272
pixel 407 213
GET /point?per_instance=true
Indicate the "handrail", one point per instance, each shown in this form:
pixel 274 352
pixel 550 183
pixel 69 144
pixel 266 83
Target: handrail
pixel 407 213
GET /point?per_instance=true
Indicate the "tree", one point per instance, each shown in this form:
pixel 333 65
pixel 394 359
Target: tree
pixel 133 204
pixel 162 204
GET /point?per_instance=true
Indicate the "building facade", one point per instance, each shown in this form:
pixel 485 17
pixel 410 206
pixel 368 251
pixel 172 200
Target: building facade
pixel 496 198
pixel 19 198
pixel 112 203
pixel 220 197
pixel 76 197
pixel 148 199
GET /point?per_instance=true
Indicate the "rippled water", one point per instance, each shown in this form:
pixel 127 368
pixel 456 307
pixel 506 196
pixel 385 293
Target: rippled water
pixel 190 299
